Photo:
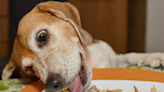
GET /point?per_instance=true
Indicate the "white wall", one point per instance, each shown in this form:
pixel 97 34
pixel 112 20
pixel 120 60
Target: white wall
pixel 155 26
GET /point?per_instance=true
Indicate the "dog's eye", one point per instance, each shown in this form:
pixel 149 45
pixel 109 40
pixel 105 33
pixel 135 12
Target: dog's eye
pixel 81 56
pixel 29 69
pixel 42 36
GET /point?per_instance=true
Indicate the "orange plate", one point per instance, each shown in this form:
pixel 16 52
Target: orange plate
pixel 34 87
pixel 127 74
pixel 112 74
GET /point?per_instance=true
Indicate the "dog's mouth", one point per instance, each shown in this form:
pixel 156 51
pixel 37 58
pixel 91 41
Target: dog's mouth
pixel 76 85
pixel 79 81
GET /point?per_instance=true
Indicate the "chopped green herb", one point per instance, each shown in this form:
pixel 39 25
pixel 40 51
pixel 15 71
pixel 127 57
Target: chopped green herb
pixel 2 88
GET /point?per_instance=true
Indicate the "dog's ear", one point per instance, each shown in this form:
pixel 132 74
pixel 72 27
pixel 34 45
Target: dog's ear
pixel 84 36
pixel 8 70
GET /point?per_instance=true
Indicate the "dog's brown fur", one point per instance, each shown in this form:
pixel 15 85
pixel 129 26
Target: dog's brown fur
pixel 66 19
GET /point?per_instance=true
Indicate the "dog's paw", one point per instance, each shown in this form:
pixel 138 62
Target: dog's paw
pixel 152 60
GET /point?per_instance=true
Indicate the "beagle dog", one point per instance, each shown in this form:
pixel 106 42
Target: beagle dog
pixel 52 45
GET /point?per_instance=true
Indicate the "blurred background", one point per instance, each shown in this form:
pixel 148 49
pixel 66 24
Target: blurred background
pixel 127 25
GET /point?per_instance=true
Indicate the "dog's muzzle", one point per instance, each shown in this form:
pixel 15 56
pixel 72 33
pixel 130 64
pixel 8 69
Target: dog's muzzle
pixel 55 83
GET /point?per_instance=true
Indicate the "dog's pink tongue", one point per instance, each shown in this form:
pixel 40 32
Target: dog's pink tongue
pixel 76 86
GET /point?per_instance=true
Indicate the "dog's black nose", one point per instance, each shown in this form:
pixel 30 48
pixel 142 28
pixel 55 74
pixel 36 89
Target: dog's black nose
pixel 54 83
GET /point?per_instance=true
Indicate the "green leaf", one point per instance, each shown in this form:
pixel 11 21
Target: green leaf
pixel 11 83
pixel 14 91
pixel 2 88
pixel 17 83
pixel 19 86
pixel 1 84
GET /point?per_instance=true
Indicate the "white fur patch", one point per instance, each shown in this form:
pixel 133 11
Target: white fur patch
pixel 101 55
pixel 26 61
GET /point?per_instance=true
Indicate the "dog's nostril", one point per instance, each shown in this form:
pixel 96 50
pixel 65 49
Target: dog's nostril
pixel 54 83
pixel 56 86
pixel 82 68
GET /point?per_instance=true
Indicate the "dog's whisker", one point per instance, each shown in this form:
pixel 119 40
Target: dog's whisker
pixel 39 83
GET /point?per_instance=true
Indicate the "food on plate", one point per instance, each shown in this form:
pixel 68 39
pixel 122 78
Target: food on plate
pixel 115 90
pixel 65 91
pixel 94 89
pixel 153 89
pixel 135 89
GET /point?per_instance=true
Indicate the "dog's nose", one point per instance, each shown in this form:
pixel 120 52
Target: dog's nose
pixel 54 83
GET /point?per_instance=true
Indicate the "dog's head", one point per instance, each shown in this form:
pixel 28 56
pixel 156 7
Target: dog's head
pixel 50 45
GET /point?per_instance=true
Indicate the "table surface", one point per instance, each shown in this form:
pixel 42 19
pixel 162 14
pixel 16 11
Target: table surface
pixel 113 74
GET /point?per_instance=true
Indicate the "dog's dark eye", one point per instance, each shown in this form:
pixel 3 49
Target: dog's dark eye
pixel 81 56
pixel 42 36
pixel 29 69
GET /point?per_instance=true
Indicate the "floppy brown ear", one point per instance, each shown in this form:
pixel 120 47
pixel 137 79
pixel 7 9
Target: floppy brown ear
pixel 84 36
pixel 8 70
